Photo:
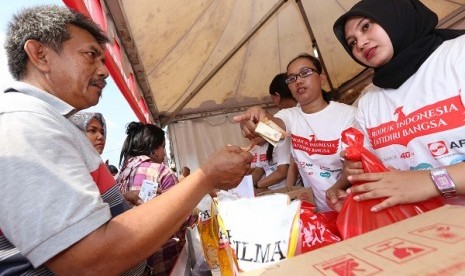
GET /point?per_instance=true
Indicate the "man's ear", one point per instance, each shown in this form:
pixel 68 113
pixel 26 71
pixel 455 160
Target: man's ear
pixel 37 54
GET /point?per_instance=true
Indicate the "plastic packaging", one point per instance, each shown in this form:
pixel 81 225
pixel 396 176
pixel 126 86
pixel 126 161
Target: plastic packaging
pixel 208 230
pixel 316 229
pixel 356 217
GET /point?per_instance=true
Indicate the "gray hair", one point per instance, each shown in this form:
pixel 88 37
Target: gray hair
pixel 48 25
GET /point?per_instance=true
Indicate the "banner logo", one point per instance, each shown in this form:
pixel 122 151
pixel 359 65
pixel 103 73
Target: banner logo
pixel 438 148
pixel 443 115
pixel 313 146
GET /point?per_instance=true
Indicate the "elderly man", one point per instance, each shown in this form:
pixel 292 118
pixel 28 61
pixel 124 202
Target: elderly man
pixel 60 211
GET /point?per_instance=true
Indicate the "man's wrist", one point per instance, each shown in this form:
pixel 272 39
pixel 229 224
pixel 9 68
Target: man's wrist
pixel 207 180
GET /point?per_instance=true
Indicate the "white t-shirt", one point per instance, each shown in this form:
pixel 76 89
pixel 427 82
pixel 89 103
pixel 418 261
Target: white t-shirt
pixel 316 145
pixel 281 156
pixel 259 155
pixel 420 125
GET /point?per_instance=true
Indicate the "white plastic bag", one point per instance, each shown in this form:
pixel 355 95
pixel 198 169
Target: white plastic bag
pixel 260 229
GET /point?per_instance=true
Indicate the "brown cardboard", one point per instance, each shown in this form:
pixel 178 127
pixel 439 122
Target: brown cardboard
pixel 429 244
pixel 293 192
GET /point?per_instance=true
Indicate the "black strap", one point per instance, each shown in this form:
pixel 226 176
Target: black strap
pixel 11 90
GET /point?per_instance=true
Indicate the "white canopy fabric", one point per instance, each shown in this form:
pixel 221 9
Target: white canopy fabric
pixel 195 58
pixel 193 141
pixel 178 60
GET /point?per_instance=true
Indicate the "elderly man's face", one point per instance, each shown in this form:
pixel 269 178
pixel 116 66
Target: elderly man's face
pixel 77 73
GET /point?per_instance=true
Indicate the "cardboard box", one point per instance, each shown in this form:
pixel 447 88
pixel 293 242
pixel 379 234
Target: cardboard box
pixel 429 244
pixel 293 192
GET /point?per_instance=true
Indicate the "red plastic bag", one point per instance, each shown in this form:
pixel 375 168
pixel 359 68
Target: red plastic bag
pixel 316 229
pixel 355 217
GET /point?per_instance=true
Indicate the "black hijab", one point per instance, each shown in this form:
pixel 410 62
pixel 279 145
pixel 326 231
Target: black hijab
pixel 411 28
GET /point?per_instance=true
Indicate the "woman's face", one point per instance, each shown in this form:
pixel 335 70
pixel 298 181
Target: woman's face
pixel 96 135
pixel 158 155
pixel 305 89
pixel 369 42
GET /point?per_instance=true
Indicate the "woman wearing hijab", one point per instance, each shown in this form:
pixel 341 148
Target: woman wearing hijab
pixel 93 125
pixel 413 115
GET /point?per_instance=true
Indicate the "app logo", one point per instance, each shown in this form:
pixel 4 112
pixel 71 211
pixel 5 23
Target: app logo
pixel 438 148
pixel 325 174
pixel 457 160
pixel 421 167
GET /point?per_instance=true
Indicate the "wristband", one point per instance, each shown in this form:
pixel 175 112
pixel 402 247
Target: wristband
pixel 443 183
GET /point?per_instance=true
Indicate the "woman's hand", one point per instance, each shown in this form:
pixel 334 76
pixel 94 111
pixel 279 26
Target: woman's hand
pixel 336 194
pixel 351 167
pixel 249 120
pixel 335 198
pixel 398 187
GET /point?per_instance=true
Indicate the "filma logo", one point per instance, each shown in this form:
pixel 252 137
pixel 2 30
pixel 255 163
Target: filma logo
pixel 256 252
pixel 438 148
pixel 259 253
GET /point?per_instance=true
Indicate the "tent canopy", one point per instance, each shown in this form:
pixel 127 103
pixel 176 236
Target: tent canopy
pixel 190 64
pixel 182 60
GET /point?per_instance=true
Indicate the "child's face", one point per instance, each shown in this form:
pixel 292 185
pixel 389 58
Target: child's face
pixel 369 42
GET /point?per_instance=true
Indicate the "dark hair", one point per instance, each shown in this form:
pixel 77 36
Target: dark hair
pixel 318 67
pixel 113 169
pixel 185 171
pixel 269 152
pixel 48 25
pixel 142 139
pixel 312 59
pixel 278 86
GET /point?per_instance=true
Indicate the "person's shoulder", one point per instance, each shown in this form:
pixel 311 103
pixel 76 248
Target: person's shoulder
pixel 160 167
pixel 451 49
pixel 288 111
pixel 459 39
pixel 342 106
pixel 31 102
pixel 13 101
pixel 370 96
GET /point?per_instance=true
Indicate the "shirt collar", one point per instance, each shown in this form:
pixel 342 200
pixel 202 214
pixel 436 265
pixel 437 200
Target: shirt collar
pixel 58 104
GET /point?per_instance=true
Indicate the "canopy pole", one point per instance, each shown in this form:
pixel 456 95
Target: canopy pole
pixel 314 43
pixel 220 65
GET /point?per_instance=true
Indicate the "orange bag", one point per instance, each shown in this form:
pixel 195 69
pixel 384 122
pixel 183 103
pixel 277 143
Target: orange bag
pixel 355 217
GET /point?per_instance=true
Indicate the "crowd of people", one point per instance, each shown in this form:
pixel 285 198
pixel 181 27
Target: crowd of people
pixel 399 40
pixel 69 216
pixel 74 214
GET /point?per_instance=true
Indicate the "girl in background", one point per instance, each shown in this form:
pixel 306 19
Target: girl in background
pixel 314 127
pixel 142 159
